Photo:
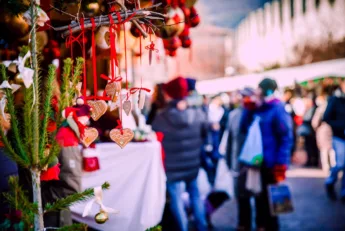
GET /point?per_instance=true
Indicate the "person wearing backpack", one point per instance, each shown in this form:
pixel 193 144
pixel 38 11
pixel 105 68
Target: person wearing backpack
pixel 277 139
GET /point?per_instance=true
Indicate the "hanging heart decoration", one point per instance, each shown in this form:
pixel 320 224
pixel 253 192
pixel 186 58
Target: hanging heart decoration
pixel 113 90
pixel 99 107
pixel 127 107
pixel 121 138
pixel 90 135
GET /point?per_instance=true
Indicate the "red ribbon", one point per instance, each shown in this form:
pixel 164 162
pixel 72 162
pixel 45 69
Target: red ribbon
pixel 84 56
pixel 112 47
pixel 133 90
pixel 119 126
pixel 94 61
pixel 111 80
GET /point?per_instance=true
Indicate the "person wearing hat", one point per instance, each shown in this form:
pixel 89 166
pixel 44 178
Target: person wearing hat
pixel 277 138
pixel 182 128
pixel 232 142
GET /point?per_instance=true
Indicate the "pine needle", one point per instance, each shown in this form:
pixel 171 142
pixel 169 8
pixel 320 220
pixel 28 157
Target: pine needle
pixel 46 110
pixel 72 199
pixel 17 142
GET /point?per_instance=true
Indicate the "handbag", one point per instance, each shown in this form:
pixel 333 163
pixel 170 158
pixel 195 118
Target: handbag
pixel 252 150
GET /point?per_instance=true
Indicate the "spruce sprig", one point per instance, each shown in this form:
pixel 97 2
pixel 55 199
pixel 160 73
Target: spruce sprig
pixel 47 109
pixel 72 199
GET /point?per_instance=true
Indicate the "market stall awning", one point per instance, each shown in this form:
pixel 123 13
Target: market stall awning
pixel 284 76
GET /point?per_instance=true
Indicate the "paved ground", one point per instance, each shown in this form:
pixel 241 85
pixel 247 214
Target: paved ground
pixel 313 211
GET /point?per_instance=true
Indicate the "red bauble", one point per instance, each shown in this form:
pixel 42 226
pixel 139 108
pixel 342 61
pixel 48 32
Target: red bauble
pixel 185 32
pixel 186 12
pixel 172 44
pixel 135 31
pixel 194 17
pixel 171 53
pixel 186 42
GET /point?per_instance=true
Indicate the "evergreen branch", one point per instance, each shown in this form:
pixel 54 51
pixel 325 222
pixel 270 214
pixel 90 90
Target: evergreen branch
pixel 36 88
pixel 17 142
pixel 72 199
pixel 9 151
pixel 18 199
pixel 27 118
pixel 65 83
pixel 46 110
pixel 155 228
pixel 54 152
pixel 78 70
pixel 74 227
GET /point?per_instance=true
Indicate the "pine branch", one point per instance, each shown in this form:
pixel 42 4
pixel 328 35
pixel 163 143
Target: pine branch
pixel 46 110
pixel 18 199
pixel 78 70
pixel 72 199
pixel 27 118
pixel 74 227
pixel 17 142
pixel 65 84
pixel 9 151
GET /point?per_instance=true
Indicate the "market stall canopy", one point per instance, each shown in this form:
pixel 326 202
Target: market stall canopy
pixel 284 76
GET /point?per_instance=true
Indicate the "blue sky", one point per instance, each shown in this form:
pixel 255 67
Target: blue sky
pixel 227 13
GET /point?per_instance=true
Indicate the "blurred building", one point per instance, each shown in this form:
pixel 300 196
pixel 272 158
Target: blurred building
pixel 289 33
pixel 208 57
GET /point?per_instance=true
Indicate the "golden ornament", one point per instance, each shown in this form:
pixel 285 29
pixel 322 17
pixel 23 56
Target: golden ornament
pixel 101 217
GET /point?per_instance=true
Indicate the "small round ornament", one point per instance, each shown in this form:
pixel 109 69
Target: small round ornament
pixel 194 17
pixel 101 217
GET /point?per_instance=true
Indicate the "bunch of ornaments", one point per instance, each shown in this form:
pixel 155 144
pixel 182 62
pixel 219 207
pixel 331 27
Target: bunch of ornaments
pixel 181 16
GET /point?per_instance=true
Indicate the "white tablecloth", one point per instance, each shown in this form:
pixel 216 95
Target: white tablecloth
pixel 137 187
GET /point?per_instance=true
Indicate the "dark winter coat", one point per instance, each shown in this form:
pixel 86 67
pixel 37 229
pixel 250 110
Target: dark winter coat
pixel 335 115
pixel 276 130
pixel 182 141
pixel 7 168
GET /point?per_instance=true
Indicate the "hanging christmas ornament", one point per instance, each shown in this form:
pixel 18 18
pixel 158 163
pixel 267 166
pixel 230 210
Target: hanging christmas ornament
pixel 90 135
pixel 113 89
pixel 121 136
pixel 99 108
pixel 127 107
pixel 174 24
pixel 194 19
pixel 118 103
pixel 102 37
pixel 186 41
pixel 102 216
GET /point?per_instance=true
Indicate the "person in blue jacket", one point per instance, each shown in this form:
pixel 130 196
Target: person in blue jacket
pixel 277 139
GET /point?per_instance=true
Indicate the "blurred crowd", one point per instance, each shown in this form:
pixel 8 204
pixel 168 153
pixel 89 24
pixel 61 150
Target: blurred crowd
pixel 304 124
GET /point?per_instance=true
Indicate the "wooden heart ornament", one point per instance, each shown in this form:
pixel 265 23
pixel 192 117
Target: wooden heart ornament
pixel 121 139
pixel 90 135
pixel 99 107
pixel 127 106
pixel 113 90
